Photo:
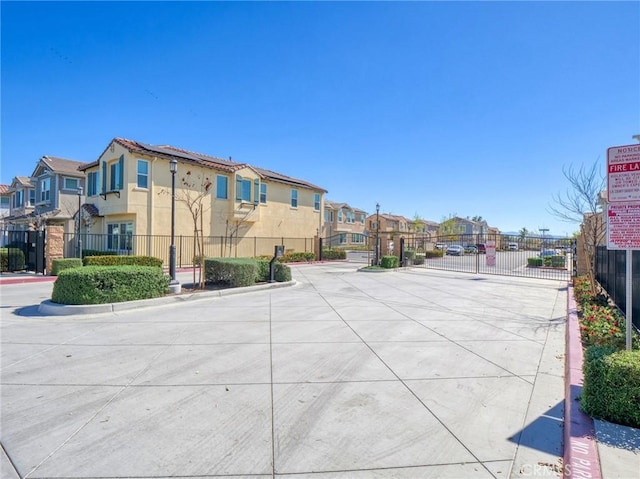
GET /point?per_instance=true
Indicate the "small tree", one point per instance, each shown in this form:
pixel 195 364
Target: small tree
pixel 581 204
pixel 196 187
pixel 523 233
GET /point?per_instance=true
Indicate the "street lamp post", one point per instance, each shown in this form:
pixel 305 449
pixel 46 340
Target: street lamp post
pixel 79 222
pixel 174 285
pixel 377 259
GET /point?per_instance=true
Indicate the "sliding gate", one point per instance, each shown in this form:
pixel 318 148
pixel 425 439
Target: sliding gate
pixel 528 256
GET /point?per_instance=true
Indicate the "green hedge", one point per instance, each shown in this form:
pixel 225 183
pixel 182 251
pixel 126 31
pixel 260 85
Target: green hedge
pixel 298 257
pixel 611 388
pixel 13 257
pixel 555 261
pixel 122 261
pixel 389 262
pixel 61 264
pixel 109 284
pixel 97 252
pixel 419 258
pixel 233 272
pixel 435 253
pixel 281 272
pixel 329 254
pixel 535 261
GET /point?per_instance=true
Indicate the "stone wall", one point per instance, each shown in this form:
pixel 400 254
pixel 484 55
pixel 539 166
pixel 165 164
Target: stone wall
pixel 54 246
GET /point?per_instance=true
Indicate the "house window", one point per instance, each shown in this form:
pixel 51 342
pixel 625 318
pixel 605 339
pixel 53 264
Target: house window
pixel 116 174
pixel 361 219
pixel 143 174
pixel 294 198
pixel 5 202
pixel 92 183
pixel 221 187
pixel 71 184
pixel 17 199
pixel 45 189
pixel 316 202
pixel 339 216
pixel 263 192
pixel 357 238
pixel 343 238
pixel 243 189
pixel 32 197
pixel 119 236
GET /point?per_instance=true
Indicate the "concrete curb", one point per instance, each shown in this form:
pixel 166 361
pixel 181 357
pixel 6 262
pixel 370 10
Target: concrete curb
pixel 28 279
pixel 581 457
pixel 49 308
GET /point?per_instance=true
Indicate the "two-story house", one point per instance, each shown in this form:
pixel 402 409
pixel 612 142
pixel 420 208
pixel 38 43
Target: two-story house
pixel 5 211
pixel 129 192
pixel 388 223
pixel 23 198
pixel 344 225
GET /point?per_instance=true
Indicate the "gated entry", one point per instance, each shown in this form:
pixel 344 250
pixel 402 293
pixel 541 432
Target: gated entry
pixel 528 256
pixel 25 251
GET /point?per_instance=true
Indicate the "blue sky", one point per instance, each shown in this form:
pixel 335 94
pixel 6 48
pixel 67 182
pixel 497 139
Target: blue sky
pixel 434 108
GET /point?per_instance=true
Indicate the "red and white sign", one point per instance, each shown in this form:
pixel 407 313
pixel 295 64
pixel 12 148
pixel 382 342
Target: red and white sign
pixel 490 248
pixel 623 173
pixel 623 226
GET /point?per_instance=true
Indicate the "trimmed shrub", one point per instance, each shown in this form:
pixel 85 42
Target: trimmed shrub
pixel 611 388
pixel 281 272
pixel 61 264
pixel 555 261
pixel 419 259
pixel 298 257
pixel 602 326
pixel 97 252
pixel 535 262
pixel 390 261
pixel 329 254
pixel 11 257
pixel 583 295
pixel 435 253
pixel 233 272
pixel 122 261
pixel 109 284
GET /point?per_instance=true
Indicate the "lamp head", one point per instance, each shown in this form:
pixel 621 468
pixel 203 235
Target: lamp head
pixel 173 165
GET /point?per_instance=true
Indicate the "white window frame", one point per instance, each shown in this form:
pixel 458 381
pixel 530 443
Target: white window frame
pixel 68 178
pixel 142 175
pixel 316 201
pixel 294 198
pixel 45 190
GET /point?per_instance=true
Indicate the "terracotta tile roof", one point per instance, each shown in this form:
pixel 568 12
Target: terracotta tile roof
pixel 170 152
pixel 4 189
pixel 62 165
pixel 335 205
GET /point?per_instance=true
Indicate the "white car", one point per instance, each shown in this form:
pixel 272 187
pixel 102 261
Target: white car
pixel 455 250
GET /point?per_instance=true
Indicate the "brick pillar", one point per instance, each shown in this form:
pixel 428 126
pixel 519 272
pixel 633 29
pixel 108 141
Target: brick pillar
pixel 54 246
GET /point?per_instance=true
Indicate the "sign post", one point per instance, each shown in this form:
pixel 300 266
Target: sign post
pixel 623 213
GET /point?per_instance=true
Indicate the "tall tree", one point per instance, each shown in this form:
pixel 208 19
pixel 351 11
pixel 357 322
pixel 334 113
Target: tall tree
pixel 523 233
pixel 581 204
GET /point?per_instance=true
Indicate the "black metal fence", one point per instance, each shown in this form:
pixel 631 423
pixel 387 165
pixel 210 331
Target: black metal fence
pixel 186 247
pixel 611 274
pixel 25 251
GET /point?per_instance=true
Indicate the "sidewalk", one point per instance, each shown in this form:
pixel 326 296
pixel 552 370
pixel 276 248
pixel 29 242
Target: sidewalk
pixel 408 374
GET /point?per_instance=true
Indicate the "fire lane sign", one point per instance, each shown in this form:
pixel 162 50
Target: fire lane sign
pixel 623 173
pixel 623 194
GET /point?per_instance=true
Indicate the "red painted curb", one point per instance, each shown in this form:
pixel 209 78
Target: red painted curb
pixel 38 279
pixel 581 457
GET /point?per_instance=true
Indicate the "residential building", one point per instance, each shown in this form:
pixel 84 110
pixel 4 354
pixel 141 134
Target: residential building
pixel 388 223
pixel 23 198
pixel 5 211
pixel 128 192
pixel 48 197
pixel 344 225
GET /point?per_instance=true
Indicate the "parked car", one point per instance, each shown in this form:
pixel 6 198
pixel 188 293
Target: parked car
pixel 513 246
pixel 455 250
pixel 441 246
pixel 482 248
pixel 471 249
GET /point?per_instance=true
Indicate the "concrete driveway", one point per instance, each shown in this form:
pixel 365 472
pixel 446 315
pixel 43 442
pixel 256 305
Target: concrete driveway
pixel 407 374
